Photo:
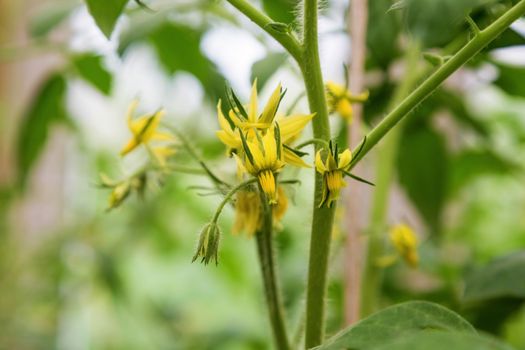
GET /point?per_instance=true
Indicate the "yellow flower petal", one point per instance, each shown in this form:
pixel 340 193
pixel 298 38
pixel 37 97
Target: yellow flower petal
pixel 319 165
pixel 344 159
pixel 270 109
pixel 293 125
pixel 344 108
pixel 293 159
pixel 252 108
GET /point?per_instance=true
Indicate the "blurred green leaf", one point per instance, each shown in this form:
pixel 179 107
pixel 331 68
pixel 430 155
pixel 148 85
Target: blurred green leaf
pixel 178 48
pixel 383 30
pixel 508 38
pixel 430 340
pixel 91 69
pixel 106 13
pixel 264 68
pixel 280 10
pixel 471 163
pixel 511 79
pixel 437 22
pixel 46 108
pixel 398 321
pixel 423 170
pixel 48 17
pixel 502 277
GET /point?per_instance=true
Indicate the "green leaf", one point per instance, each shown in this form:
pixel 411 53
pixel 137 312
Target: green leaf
pixel 383 28
pixel 423 170
pixel 264 68
pixel 508 38
pixel 106 13
pixel 46 108
pixel 511 79
pixel 178 49
pixel 91 69
pixel 280 10
pixel 471 163
pixel 398 321
pixel 437 22
pixel 429 340
pixel 501 278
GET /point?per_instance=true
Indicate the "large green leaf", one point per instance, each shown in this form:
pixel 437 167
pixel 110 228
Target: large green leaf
pixel 280 10
pixel 502 278
pixel 423 170
pixel 46 108
pixel 471 163
pixel 383 29
pixel 511 79
pixel 106 13
pixel 264 68
pixel 396 322
pixel 430 340
pixel 178 48
pixel 437 22
pixel 91 69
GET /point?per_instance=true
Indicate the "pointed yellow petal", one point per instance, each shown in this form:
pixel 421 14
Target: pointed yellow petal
pixel 344 108
pixel 223 123
pixel 319 165
pixel 271 107
pixel 162 136
pixel 293 159
pixel 252 108
pixel 344 159
pixel 270 147
pixel 228 139
pixel 130 146
pixel 292 126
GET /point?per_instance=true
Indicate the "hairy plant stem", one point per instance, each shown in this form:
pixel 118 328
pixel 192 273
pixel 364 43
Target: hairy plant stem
pixel 265 252
pixel 480 40
pixel 322 220
pixel 385 167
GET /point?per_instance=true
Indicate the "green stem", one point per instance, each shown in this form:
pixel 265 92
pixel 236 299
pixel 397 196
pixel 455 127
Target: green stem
pixel 268 269
pixel 482 39
pixel 322 220
pixel 372 275
pixel 229 196
pixel 286 39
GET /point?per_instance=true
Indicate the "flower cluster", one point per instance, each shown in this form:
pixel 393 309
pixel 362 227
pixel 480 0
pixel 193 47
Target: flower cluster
pixel 340 100
pixel 261 142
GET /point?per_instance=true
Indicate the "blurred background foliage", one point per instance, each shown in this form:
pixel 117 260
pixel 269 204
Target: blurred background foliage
pixel 75 277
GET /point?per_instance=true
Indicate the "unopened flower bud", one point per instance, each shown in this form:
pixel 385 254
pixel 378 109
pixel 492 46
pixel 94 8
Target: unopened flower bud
pixel 208 246
pixel 119 194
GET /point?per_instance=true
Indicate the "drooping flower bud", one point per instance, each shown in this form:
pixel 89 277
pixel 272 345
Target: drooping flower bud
pixel 208 245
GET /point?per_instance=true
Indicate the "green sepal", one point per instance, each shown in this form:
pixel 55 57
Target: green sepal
pixel 246 149
pixel 357 178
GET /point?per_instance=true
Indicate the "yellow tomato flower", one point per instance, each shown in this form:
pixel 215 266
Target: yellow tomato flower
pixel 263 159
pixel 332 169
pixel 248 211
pixel 340 99
pixel 144 129
pixel 405 241
pixel 248 121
